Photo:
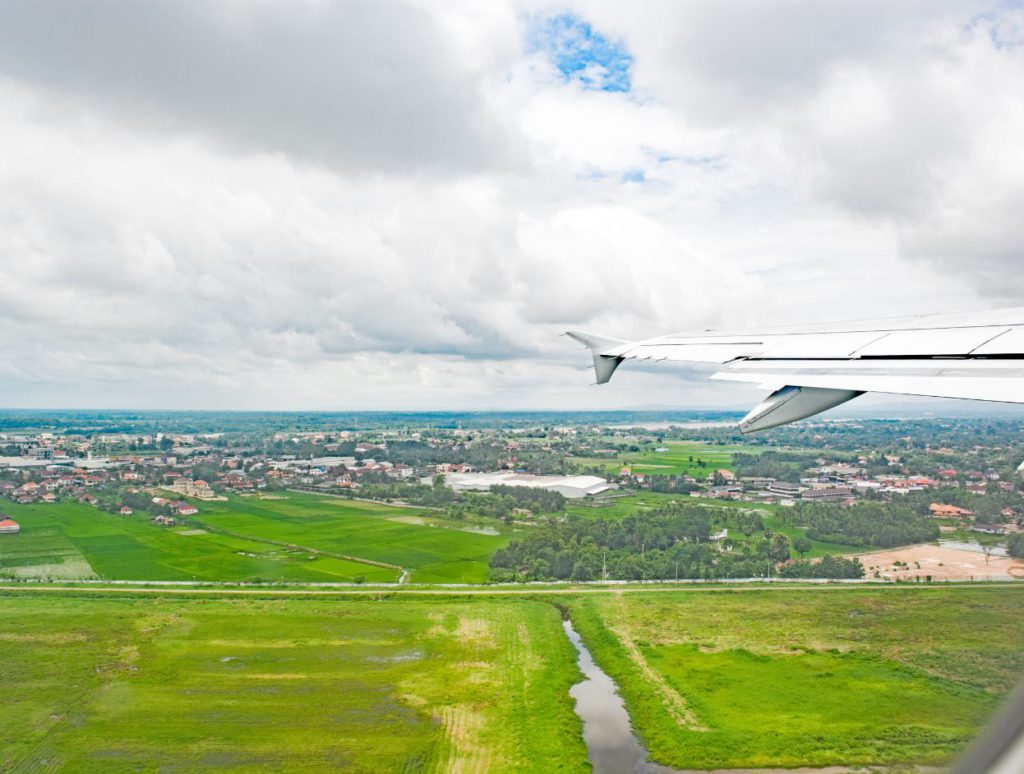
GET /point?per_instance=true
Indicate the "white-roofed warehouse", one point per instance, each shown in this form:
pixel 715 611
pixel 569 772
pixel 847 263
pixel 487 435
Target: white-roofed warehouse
pixel 569 486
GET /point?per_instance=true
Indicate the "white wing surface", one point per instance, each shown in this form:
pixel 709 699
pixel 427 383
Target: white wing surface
pixel 978 356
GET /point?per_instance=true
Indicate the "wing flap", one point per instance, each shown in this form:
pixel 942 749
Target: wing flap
pixel 976 356
pixel 1004 384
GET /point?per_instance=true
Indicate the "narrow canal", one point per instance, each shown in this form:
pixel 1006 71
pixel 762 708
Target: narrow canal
pixel 611 744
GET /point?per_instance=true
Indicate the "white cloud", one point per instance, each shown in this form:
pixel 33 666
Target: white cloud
pixel 397 205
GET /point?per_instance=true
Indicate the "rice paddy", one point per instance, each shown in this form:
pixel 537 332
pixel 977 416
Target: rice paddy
pixel 295 537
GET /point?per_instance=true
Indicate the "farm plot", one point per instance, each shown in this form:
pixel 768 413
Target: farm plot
pixel 69 540
pixel 296 685
pixel 434 550
pixel 808 677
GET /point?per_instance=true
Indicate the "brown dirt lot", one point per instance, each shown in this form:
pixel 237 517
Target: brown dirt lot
pixel 941 562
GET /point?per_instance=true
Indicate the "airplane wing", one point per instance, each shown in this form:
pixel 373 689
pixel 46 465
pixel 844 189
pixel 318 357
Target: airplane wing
pixel 978 356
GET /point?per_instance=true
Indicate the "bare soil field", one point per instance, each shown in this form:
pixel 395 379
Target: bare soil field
pixel 941 563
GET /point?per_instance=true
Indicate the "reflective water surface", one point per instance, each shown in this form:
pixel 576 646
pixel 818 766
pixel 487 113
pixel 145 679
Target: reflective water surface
pixel 611 744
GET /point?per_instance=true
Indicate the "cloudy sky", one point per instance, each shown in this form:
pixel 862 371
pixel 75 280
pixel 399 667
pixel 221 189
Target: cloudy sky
pixel 400 204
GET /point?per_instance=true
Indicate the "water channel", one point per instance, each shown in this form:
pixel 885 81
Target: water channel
pixel 611 744
pixel 613 747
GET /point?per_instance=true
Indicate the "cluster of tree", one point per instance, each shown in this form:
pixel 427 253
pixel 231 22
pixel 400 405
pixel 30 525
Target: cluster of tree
pixel 671 484
pixel 377 486
pixel 1015 545
pixel 826 567
pixel 882 525
pixel 500 503
pixel 666 543
pixel 986 507
pixel 534 500
pixel 481 456
pixel 784 466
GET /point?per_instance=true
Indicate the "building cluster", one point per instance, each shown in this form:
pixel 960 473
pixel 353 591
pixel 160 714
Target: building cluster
pixel 827 483
pixel 170 476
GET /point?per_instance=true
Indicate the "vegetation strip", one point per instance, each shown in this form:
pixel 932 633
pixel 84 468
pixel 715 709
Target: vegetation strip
pixel 514 590
pixel 810 679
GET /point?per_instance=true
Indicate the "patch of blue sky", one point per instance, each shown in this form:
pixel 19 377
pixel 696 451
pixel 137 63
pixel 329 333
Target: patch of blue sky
pixel 1003 23
pixel 579 52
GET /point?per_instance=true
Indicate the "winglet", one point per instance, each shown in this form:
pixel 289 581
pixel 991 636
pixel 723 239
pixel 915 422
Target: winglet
pixel 604 365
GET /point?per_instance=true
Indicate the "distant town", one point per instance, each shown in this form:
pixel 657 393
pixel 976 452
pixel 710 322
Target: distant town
pixel 947 486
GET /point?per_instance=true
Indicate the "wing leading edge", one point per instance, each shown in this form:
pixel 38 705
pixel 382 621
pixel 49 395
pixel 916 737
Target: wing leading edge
pixel 810 369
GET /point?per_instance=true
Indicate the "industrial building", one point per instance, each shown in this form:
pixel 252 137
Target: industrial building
pixel 570 486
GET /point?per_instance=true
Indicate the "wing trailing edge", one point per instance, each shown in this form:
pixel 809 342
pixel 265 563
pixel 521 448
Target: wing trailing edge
pixel 812 368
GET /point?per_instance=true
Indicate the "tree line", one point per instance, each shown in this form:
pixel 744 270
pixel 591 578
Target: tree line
pixel 666 543
pixel 880 525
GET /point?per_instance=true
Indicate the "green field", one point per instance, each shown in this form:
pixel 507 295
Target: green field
pixel 674 462
pixel 70 540
pixel 623 503
pixel 120 685
pixel 807 677
pixel 436 551
pixel 712 677
pixel 819 549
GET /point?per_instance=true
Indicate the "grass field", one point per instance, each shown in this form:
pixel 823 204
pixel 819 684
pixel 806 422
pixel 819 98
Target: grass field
pixel 807 678
pixel 625 505
pixel 819 548
pixel 712 678
pixel 673 462
pixel 124 685
pixel 70 540
pixel 436 551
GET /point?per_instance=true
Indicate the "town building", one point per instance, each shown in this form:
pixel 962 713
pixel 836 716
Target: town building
pixel 8 526
pixel 828 494
pixel 784 488
pixel 199 489
pixel 941 511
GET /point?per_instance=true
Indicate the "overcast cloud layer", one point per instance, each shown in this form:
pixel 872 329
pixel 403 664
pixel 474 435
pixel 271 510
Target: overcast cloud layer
pixel 394 205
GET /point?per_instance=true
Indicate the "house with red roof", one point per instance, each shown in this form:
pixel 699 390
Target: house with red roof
pixel 8 526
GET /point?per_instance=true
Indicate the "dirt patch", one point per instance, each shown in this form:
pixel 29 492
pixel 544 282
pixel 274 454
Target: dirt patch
pixel 940 562
pixel 475 631
pixel 54 638
pixel 418 521
pixel 72 568
pixel 464 727
pixel 438 629
pixel 476 672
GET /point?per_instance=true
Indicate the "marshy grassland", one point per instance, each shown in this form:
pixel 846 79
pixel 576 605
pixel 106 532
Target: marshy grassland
pixel 285 685
pixel 805 677
pixel 478 680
